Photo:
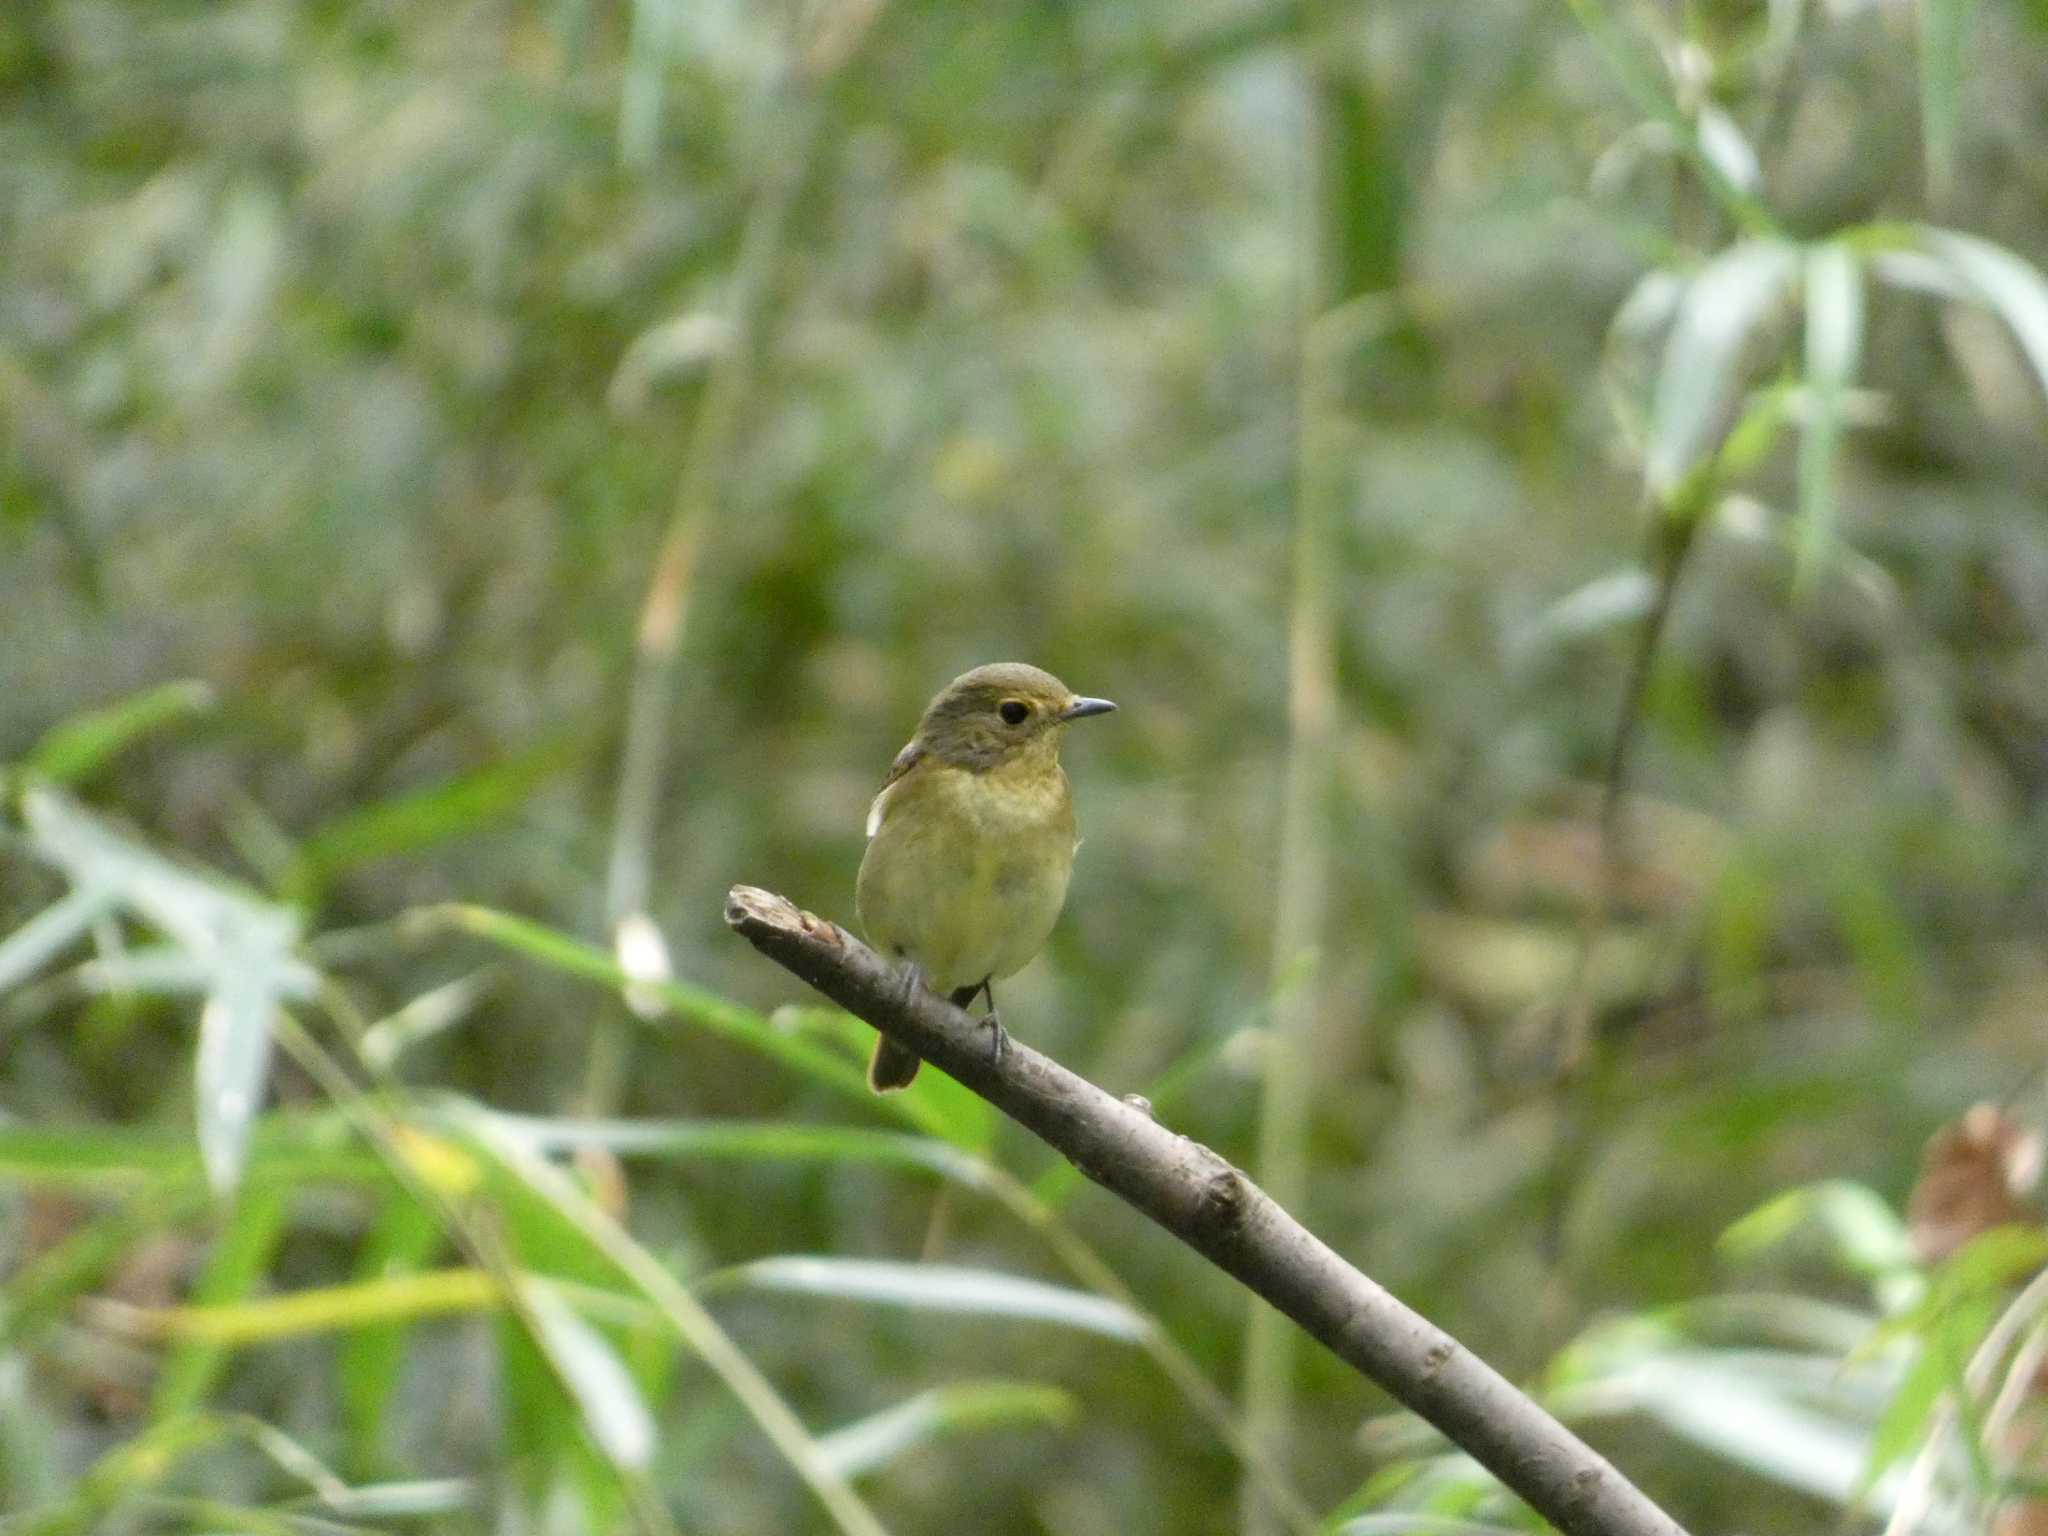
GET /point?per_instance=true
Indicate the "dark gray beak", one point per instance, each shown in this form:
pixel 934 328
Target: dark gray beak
pixel 1081 709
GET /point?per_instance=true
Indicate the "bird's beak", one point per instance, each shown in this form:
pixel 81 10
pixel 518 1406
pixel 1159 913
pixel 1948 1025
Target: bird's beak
pixel 1081 709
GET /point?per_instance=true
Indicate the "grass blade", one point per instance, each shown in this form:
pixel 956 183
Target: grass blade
pixel 869 1444
pixel 408 822
pixel 611 1405
pixel 80 746
pixel 1944 29
pixel 696 1327
pixel 744 1141
pixel 240 1259
pixel 707 1010
pixel 1698 381
pixel 2007 284
pixel 935 1288
pixel 233 1062
pixel 369 1362
pixel 23 952
pixel 1834 344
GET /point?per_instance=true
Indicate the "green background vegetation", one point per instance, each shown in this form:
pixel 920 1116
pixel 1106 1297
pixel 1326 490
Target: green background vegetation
pixel 364 368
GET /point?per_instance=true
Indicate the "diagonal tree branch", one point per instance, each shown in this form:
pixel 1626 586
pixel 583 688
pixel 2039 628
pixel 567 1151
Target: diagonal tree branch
pixel 1223 1216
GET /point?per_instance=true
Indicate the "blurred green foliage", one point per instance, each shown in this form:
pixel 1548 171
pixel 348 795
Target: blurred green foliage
pixel 356 360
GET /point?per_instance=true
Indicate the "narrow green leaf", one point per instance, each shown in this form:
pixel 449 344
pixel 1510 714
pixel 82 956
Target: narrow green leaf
pixel 1834 344
pixel 1647 87
pixel 1989 1265
pixel 285 1149
pixel 1618 597
pixel 611 1406
pixel 2007 284
pixel 240 1258
pixel 233 1063
pixel 869 1444
pixel 359 1304
pixel 1906 1418
pixel 1868 1235
pixel 369 1361
pixel 1755 433
pixel 705 1009
pixel 538 1204
pixel 78 747
pixel 245 945
pixel 1944 30
pixel 1812 1439
pixel 409 822
pixel 1407 1523
pixel 935 1288
pixel 741 1140
pixel 541 1446
pixel 25 951
pixel 1700 376
pixel 692 1324
pixel 421 1018
pixel 403 1500
pixel 1725 145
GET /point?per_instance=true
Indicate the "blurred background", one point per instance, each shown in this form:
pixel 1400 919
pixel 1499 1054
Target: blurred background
pixel 537 457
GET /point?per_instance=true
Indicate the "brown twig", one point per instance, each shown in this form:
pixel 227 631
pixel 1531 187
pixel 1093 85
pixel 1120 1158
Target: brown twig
pixel 1222 1215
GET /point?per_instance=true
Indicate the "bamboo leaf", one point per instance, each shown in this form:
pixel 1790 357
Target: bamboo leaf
pixel 369 1362
pixel 80 746
pixel 705 1009
pixel 935 1288
pixel 242 944
pixel 742 1140
pixel 1700 376
pixel 2007 284
pixel 605 1395
pixel 233 1063
pixel 24 951
pixel 869 1444
pixel 1944 30
pixel 241 1257
pixel 1834 343
pixel 409 822
pixel 1867 1234
pixel 1721 1404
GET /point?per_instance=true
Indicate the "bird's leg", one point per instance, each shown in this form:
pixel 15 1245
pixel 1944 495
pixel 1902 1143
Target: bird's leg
pixel 911 979
pixel 964 997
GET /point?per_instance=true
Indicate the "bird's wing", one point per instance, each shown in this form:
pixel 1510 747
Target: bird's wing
pixel 907 759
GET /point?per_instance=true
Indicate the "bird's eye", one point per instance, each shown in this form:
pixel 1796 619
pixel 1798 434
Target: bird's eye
pixel 1015 711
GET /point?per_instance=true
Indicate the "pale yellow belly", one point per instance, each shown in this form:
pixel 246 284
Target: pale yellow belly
pixel 961 901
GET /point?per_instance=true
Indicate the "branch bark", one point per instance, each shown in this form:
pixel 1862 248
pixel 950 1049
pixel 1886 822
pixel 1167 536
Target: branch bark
pixel 1213 1208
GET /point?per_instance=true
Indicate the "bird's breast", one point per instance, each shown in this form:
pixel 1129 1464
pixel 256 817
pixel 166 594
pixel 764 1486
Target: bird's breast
pixel 968 871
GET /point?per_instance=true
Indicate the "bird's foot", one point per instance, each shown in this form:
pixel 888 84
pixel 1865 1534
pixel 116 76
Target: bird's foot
pixel 998 1037
pixel 910 981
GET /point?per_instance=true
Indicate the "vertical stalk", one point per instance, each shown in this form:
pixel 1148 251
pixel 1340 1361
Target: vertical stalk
pixel 1301 898
pixel 665 609
pixel 664 612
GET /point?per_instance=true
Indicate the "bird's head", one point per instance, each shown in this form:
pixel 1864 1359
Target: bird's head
pixel 1001 713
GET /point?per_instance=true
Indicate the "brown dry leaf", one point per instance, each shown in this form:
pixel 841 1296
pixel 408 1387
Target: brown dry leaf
pixel 1973 1176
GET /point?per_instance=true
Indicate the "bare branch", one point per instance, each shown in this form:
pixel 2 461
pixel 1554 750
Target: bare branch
pixel 1213 1208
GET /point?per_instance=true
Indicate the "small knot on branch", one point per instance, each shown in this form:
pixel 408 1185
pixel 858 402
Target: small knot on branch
pixel 1223 1201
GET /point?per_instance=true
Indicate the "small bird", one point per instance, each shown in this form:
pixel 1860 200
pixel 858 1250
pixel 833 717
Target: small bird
pixel 971 841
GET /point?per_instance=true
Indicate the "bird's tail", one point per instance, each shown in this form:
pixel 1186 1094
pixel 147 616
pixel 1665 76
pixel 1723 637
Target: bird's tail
pixel 893 1066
